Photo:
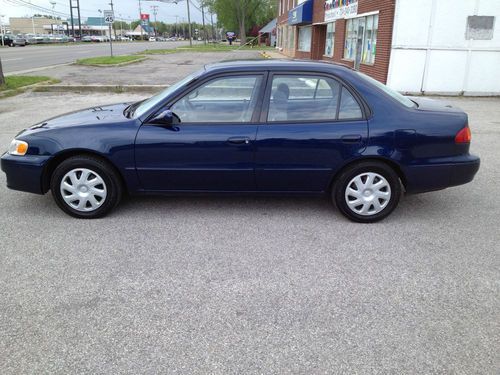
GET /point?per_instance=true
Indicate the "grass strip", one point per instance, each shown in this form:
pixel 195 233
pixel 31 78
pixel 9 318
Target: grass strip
pixel 108 60
pixel 15 82
pixel 204 48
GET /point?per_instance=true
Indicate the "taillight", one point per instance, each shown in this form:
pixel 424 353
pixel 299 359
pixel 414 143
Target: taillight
pixel 464 135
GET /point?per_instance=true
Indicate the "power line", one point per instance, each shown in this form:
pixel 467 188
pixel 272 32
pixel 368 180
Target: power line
pixel 26 4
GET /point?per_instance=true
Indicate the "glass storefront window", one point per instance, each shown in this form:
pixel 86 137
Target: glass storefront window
pixel 351 38
pixel 370 40
pixel 330 39
pixel 361 37
pixel 305 36
pixel 291 38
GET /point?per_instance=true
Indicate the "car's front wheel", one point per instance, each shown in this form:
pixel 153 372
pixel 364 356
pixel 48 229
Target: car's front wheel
pixel 367 192
pixel 86 187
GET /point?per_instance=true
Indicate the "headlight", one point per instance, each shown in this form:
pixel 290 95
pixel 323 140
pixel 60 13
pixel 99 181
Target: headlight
pixel 18 147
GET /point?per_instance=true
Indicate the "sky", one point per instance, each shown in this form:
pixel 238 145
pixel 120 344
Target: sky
pixel 128 9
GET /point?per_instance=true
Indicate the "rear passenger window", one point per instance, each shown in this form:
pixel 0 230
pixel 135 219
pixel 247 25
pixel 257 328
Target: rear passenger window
pixel 349 107
pixel 308 97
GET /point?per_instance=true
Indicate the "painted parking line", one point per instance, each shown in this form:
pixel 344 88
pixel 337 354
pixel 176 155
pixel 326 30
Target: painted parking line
pixel 18 58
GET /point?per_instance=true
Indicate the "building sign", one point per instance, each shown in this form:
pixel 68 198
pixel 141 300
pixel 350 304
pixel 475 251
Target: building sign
pixel 144 19
pixel 336 9
pixel 301 14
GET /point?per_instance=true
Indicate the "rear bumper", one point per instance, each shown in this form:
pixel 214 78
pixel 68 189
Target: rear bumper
pixel 437 176
pixel 24 173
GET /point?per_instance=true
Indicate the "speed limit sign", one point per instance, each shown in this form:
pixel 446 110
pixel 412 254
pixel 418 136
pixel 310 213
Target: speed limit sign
pixel 108 16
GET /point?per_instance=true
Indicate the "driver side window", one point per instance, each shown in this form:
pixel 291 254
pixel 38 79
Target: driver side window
pixel 226 99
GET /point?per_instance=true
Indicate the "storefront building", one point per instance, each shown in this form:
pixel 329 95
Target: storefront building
pixel 425 46
pixel 353 32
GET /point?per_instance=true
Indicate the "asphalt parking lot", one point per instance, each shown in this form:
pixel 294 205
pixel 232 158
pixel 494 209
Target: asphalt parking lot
pixel 251 285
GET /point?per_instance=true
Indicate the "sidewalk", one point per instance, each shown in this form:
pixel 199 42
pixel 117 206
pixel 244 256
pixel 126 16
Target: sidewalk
pixel 275 55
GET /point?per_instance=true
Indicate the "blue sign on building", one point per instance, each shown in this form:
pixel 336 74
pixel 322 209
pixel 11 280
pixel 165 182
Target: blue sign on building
pixel 302 14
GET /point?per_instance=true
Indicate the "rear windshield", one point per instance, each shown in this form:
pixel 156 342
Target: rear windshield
pixel 396 95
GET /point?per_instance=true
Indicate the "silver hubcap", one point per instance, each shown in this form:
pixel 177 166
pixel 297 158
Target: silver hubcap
pixel 368 194
pixel 83 190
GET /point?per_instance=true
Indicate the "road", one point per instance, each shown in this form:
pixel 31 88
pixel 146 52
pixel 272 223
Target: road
pixel 20 59
pixel 249 285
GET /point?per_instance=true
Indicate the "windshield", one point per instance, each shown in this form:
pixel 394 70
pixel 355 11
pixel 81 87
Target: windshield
pixel 396 95
pixel 147 104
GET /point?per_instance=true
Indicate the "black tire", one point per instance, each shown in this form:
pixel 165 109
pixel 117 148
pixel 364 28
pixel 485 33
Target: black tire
pixel 112 181
pixel 345 178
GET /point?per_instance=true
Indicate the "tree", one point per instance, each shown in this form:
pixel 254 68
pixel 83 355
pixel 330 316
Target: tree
pixel 121 25
pixel 242 14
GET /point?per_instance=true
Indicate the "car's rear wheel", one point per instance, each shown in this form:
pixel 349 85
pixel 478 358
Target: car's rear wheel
pixel 86 187
pixel 367 192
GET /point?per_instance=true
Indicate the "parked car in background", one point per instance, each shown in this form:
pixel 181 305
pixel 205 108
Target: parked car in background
pixel 86 38
pixel 14 40
pixel 99 38
pixel 152 39
pixel 37 38
pixel 264 127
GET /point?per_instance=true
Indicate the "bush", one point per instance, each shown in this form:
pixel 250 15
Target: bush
pixel 252 41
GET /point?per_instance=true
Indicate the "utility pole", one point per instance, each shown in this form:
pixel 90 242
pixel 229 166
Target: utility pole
pixel 203 22
pixel 112 10
pixel 75 4
pixel 2 31
pixel 154 8
pixel 213 29
pixel 140 19
pixel 2 78
pixel 189 21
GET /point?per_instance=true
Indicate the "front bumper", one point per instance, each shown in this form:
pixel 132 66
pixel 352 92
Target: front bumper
pixel 24 173
pixel 437 176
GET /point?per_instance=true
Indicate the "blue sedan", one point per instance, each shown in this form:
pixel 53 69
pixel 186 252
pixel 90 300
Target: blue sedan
pixel 264 127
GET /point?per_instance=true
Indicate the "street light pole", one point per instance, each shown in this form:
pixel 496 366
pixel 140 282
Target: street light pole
pixel 100 12
pixel 154 8
pixel 53 3
pixel 121 25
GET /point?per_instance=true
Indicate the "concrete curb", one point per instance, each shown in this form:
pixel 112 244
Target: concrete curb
pixel 101 88
pixel 113 65
pixel 20 90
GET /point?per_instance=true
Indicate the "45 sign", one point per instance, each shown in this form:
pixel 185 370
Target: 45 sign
pixel 108 16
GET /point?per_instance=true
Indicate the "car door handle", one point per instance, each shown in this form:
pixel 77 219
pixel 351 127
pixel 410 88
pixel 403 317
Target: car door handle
pixel 239 140
pixel 352 138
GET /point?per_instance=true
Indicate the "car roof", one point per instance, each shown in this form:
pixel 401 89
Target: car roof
pixel 277 64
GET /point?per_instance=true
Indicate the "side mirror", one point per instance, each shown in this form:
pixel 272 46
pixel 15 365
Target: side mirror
pixel 163 118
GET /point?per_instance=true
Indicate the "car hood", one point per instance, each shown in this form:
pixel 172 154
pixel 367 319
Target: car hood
pixel 90 116
pixel 427 104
